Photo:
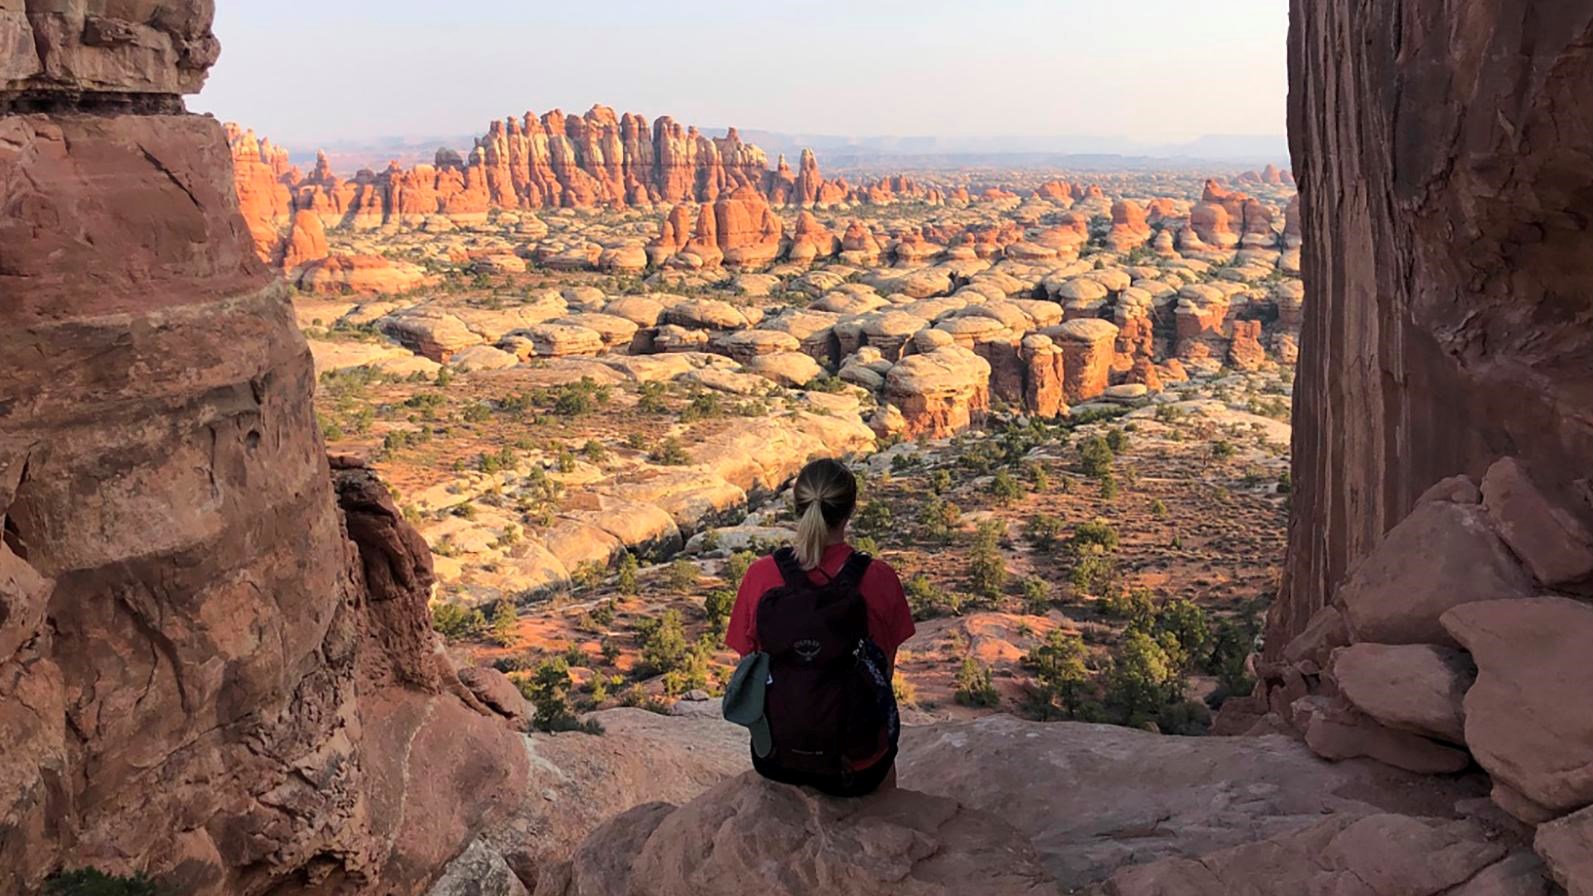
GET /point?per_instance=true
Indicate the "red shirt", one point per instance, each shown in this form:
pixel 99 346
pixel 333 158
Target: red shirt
pixel 890 622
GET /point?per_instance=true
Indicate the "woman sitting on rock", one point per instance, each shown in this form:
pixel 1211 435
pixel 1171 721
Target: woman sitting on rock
pixel 818 625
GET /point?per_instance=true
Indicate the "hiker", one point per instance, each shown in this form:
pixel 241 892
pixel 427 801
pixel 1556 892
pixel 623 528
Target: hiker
pixel 818 625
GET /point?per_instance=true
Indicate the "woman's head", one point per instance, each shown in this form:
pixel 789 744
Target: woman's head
pixel 826 493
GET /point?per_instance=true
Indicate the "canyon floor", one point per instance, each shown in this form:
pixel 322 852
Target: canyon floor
pixel 594 457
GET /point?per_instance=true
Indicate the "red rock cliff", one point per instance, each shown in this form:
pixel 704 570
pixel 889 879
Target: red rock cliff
pixel 1443 158
pixel 215 667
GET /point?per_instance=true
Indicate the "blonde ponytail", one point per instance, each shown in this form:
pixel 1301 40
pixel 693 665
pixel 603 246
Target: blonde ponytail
pixel 812 536
pixel 825 493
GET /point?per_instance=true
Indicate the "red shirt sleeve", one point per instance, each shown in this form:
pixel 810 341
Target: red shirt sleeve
pixel 890 620
pixel 742 633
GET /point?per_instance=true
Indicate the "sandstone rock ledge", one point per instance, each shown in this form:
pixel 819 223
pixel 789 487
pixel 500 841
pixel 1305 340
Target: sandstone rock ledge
pixel 749 835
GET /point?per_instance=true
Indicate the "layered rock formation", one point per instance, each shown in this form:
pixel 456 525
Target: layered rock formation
pixel 215 664
pixel 1452 293
pixel 1440 564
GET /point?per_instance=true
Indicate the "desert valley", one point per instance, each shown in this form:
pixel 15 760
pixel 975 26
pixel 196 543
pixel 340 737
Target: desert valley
pixel 589 359
pixel 377 530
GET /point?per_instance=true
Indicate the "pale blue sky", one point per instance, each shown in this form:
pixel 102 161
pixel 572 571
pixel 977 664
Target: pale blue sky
pixel 1154 70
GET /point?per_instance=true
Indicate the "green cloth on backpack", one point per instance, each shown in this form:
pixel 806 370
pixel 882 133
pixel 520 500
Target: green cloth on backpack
pixel 743 702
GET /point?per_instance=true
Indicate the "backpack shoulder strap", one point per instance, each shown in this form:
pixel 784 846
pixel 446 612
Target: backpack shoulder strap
pixel 791 569
pixel 851 575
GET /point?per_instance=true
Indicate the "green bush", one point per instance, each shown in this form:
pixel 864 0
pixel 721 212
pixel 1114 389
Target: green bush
pixel 1095 458
pixel 628 567
pixel 927 600
pixel 974 687
pixel 1062 678
pixel 504 622
pixel 453 621
pixel 717 606
pixel 664 645
pixel 682 574
pixel 1042 530
pixel 548 690
pixel 1004 488
pixel 1140 682
pixel 1036 595
pixel 987 569
pixel 89 882
pixel 670 452
pixel 736 567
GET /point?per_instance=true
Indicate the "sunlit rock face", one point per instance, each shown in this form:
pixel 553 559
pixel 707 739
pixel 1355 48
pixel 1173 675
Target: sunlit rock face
pixel 215 667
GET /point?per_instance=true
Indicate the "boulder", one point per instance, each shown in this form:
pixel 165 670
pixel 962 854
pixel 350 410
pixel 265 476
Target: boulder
pixel 1440 556
pixel 1529 717
pixel 1547 528
pixel 1566 845
pixel 1411 687
pixel 1336 730
pixel 482 357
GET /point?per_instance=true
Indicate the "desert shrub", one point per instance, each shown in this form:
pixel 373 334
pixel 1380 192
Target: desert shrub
pixel 1158 509
pixel 874 518
pixel 736 567
pixel 1062 677
pixel 1189 718
pixel 1185 622
pixel 504 622
pixel 927 600
pixel 1231 645
pixel 670 452
pixel 1093 535
pixel 548 690
pixel 1004 488
pixel 90 882
pixel 453 621
pixel 717 606
pixel 939 518
pixel 828 383
pixel 588 575
pixel 1039 479
pixel 1036 594
pixel 1117 440
pixel 701 406
pixel 1042 530
pixel 940 482
pixel 1139 682
pixel 682 574
pixel 1222 449
pixel 987 569
pixel 664 645
pixel 1095 458
pixel 602 615
pixel 693 673
pixel 1136 606
pixel 626 580
pixel 1108 487
pixel 650 399
pixel 906 693
pixel 974 687
pixel 594 451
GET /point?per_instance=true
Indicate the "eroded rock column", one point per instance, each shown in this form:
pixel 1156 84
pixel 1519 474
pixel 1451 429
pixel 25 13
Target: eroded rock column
pixel 198 681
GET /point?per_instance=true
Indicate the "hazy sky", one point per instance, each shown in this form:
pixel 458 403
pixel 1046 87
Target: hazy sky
pixel 1154 70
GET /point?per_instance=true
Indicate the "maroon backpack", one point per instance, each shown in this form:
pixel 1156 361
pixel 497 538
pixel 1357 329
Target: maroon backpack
pixel 828 703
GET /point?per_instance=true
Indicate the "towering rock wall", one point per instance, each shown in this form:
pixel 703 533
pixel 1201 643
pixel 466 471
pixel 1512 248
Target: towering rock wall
pixel 215 668
pixel 1445 163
